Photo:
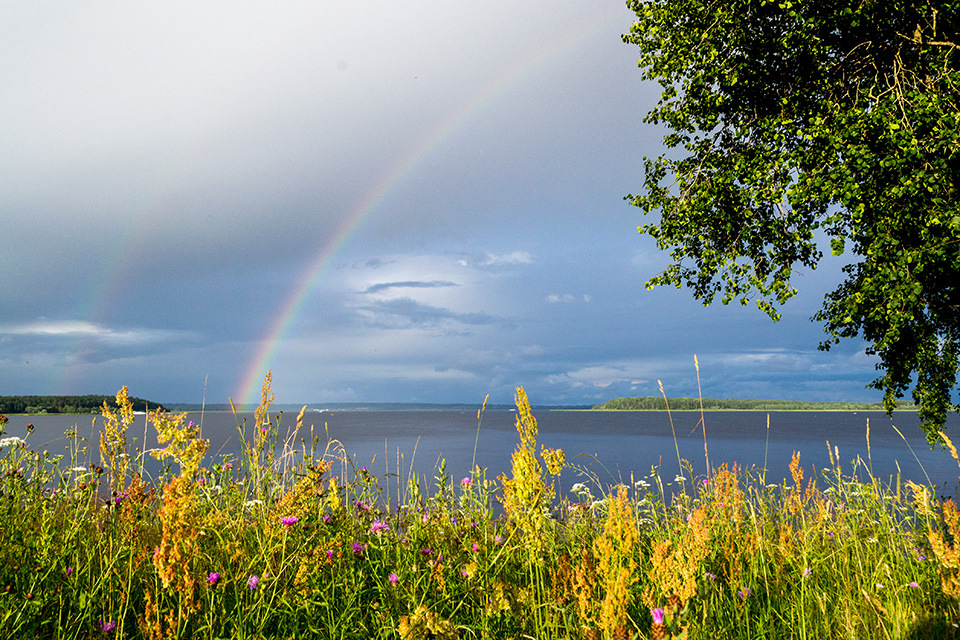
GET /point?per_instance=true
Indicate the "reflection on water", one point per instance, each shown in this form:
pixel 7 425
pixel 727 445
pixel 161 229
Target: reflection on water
pixel 611 445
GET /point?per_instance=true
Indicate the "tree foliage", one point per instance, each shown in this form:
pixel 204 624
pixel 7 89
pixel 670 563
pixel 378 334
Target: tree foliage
pixel 67 404
pixel 790 121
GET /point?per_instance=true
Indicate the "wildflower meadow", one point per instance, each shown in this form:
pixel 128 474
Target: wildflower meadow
pixel 288 539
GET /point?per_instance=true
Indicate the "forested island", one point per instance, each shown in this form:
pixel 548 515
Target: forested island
pixel 68 404
pixel 655 403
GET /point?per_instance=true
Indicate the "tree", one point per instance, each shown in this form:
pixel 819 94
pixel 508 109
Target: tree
pixel 791 121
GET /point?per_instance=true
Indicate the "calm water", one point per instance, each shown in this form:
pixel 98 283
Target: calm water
pixel 610 444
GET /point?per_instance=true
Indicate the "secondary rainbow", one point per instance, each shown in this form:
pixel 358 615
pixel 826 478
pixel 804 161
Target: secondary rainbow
pixel 248 389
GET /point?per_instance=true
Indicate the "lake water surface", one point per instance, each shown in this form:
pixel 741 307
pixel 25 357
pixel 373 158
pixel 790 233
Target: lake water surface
pixel 610 444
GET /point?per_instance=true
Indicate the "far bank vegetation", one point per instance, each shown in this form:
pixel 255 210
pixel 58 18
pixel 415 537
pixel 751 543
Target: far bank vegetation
pixel 654 403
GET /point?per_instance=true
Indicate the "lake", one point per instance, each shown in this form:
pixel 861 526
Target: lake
pixel 611 445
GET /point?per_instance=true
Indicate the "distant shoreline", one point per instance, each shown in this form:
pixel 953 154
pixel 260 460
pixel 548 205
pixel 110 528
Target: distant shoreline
pixel 656 403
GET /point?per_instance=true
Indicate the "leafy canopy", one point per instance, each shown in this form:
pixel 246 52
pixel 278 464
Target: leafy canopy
pixel 789 120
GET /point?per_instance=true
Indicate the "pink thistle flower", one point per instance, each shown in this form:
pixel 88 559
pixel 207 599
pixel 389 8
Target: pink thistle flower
pixel 378 526
pixel 106 626
pixel 213 578
pixel 657 615
pixel 358 549
pixel 253 582
pixel 393 578
pixel 467 482
pixel 288 521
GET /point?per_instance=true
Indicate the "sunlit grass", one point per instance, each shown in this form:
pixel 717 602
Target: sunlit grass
pixel 291 540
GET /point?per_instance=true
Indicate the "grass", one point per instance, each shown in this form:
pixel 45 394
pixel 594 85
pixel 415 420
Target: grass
pixel 290 540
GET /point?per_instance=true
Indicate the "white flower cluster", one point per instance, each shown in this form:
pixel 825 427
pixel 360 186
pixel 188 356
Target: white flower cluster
pixel 12 441
pixel 582 491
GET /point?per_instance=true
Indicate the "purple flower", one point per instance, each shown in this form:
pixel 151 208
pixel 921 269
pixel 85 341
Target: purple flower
pixel 807 571
pixel 69 570
pixel 213 578
pixel 288 521
pixel 475 547
pixel 358 549
pixel 393 578
pixel 426 551
pixel 467 482
pixel 657 615
pixel 744 593
pixel 712 577
pixel 106 626
pixel 497 539
pixel 330 553
pixel 253 582
pixel 378 526
pixel 913 585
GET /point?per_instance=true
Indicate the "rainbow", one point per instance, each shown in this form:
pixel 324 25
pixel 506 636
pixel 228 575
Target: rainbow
pixel 248 390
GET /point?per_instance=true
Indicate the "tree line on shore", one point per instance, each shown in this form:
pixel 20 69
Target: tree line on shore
pixel 655 403
pixel 67 404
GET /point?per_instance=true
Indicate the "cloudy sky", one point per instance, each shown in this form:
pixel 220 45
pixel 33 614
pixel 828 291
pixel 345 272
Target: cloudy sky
pixel 378 201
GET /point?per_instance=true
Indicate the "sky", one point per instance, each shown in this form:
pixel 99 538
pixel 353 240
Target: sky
pixel 376 201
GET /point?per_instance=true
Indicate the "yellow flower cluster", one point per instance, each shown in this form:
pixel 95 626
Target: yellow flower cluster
pixel 676 567
pixel 525 495
pixel 183 443
pixel 113 440
pixel 423 624
pixel 614 550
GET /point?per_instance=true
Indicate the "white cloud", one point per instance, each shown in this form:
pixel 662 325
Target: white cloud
pixel 84 329
pixel 567 298
pixel 493 260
